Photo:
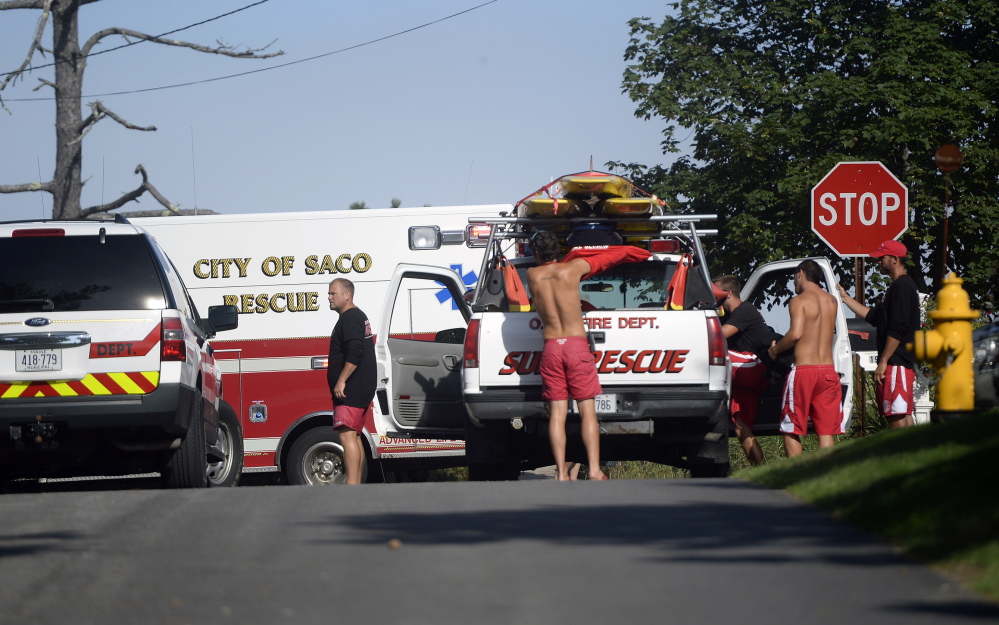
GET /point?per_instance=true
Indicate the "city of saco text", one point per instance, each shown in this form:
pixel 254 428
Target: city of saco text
pixel 273 266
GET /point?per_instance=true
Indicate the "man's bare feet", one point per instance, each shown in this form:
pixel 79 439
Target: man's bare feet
pixel 573 470
pixel 599 475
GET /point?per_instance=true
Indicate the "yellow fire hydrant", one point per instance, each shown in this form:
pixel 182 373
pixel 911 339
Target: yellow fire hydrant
pixel 949 348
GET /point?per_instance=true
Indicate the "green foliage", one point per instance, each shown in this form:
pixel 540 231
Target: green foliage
pixel 358 206
pixel 396 202
pixel 773 94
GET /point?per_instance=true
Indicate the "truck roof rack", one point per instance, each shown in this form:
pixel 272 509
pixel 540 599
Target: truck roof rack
pixel 679 221
pixel 573 221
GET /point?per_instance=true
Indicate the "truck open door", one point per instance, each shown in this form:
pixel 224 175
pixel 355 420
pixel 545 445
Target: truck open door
pixel 418 346
pixel 770 289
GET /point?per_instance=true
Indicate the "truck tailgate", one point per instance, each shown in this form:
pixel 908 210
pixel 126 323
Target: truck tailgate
pixel 631 347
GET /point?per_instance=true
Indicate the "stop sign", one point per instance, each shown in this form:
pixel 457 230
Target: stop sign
pixel 857 206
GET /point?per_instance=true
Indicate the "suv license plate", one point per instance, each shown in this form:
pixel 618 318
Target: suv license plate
pixel 38 360
pixel 605 404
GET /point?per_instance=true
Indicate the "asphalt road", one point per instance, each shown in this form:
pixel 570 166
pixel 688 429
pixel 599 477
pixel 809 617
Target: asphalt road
pixel 535 551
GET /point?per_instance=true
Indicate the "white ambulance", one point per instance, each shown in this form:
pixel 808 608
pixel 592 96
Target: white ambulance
pixel 275 268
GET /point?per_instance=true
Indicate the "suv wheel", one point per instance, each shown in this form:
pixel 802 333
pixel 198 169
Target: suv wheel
pixel 230 442
pixel 187 468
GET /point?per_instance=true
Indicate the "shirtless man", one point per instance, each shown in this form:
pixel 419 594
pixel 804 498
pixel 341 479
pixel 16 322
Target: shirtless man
pixel 812 388
pixel 566 364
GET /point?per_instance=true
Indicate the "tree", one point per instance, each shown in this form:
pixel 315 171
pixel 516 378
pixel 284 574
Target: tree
pixel 70 61
pixel 396 202
pixel 773 94
pixel 358 205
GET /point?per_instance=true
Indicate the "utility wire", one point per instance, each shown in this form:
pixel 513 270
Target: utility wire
pixel 132 43
pixel 265 69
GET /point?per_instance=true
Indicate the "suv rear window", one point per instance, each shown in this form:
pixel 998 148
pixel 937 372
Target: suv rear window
pixel 78 273
pixel 629 286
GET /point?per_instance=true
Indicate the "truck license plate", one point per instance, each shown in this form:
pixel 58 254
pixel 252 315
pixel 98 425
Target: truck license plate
pixel 38 360
pixel 605 404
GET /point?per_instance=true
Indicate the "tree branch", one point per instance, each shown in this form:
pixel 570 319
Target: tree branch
pixel 99 112
pixel 36 42
pixel 132 196
pixel 23 4
pixel 30 186
pixel 223 49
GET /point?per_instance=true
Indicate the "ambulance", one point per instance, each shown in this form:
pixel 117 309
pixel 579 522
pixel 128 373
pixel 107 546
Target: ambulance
pixel 275 268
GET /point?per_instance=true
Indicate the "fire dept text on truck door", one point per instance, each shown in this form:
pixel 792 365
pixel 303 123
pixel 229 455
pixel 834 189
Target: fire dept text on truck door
pixel 273 266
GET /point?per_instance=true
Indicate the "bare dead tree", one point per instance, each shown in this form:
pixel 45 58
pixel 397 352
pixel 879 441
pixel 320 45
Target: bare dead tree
pixel 70 60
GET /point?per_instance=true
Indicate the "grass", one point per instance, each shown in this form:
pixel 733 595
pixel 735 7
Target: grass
pixel 930 491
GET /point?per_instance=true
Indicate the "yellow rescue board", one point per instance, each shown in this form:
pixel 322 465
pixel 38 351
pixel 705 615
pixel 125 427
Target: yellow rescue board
pixel 550 207
pixel 602 186
pixel 626 206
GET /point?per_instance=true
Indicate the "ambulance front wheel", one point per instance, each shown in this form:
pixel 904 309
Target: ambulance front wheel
pixel 316 459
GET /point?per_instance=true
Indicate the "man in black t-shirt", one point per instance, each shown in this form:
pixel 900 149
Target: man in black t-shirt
pixel 896 320
pixel 748 335
pixel 351 374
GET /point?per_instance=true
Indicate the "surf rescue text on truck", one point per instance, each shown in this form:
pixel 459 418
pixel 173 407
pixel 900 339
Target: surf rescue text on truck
pixel 653 327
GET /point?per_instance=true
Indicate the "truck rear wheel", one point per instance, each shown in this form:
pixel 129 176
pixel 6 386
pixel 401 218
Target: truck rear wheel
pixel 230 442
pixel 316 459
pixel 188 466
pixel 493 472
pixel 488 450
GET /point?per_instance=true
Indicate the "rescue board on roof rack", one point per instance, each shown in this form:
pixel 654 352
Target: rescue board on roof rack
pixel 602 185
pixel 553 207
pixel 626 207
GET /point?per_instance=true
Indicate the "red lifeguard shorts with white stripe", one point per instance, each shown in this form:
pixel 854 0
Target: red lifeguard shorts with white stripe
pixel 895 396
pixel 351 417
pixel 567 367
pixel 749 379
pixel 812 391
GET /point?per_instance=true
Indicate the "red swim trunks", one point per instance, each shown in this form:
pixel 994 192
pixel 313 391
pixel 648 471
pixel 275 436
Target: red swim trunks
pixel 351 417
pixel 749 379
pixel 812 390
pixel 895 396
pixel 567 367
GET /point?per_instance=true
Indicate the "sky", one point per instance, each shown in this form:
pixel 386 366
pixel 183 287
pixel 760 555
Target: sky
pixel 481 108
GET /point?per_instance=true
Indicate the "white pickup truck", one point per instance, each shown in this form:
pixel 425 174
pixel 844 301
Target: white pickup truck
pixel 664 369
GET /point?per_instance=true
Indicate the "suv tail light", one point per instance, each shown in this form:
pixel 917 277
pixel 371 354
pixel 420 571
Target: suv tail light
pixel 471 355
pixel 717 346
pixel 173 348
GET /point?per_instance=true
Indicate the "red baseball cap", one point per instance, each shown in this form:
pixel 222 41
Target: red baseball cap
pixel 890 248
